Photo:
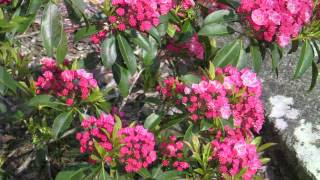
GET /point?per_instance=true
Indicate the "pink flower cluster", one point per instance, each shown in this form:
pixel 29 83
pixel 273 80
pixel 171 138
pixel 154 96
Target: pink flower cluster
pixel 138 148
pixel 234 154
pixel 193 47
pixel 137 144
pixel 64 83
pixel 5 1
pixel 92 130
pixel 279 20
pixel 139 14
pixel 172 154
pixel 235 97
pixel 97 38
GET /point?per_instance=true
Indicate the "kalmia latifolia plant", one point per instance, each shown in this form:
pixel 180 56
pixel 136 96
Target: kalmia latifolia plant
pixel 165 90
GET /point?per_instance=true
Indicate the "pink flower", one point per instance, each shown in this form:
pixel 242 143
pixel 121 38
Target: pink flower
pixel 259 17
pixel 69 102
pixel 142 154
pixel 249 79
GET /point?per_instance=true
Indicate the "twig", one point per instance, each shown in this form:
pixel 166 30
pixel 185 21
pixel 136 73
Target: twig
pixel 48 164
pixel 26 163
pixel 124 102
pixel 27 35
pixel 69 132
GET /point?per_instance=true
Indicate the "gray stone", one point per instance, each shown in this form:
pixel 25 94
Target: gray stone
pixel 293 118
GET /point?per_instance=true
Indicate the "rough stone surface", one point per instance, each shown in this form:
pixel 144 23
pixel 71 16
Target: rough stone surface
pixel 293 120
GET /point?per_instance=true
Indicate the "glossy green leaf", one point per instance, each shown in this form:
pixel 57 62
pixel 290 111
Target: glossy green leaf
pixel 108 51
pixel 43 101
pixel 256 57
pixel 174 121
pixel 122 77
pixel 215 30
pixel 61 123
pixel 140 40
pixel 265 160
pixel 62 48
pixel 241 61
pixel 7 80
pixel 152 121
pixel 34 6
pixel 229 54
pixel 73 173
pixel 85 32
pixel 190 79
pixel 127 53
pixel 315 74
pixel 144 173
pixel 275 57
pixel 220 16
pixel 169 175
pixel 265 146
pixel 155 34
pixel 51 28
pixel 305 60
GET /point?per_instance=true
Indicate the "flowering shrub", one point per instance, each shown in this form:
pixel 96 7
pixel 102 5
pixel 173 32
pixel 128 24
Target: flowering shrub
pixel 235 154
pixel 70 84
pixel 132 147
pixel 172 154
pixel 193 106
pixel 280 20
pixel 237 96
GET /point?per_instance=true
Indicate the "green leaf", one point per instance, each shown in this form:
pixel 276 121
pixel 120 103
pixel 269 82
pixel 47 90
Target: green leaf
pixel 190 79
pixel 127 53
pixel 152 121
pixel 172 122
pixel 215 30
pixel 3 108
pixel 73 173
pixel 265 160
pixel 101 151
pixel 122 77
pixel 43 101
pixel 171 31
pixel 256 57
pixel 220 16
pixel 155 34
pixel 188 133
pixel 61 123
pixel 239 175
pixel 6 80
pixel 315 74
pixel 257 141
pixel 169 175
pixel 140 40
pixel 34 6
pixel 275 56
pixel 109 51
pixel 85 32
pixel 51 28
pixel 76 10
pixel 305 60
pixel 62 48
pixel 265 146
pixel 144 173
pixel 116 128
pixel 241 61
pixel 294 46
pixel 229 54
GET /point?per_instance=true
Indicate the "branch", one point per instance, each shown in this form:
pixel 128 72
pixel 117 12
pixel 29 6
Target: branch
pixel 124 102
